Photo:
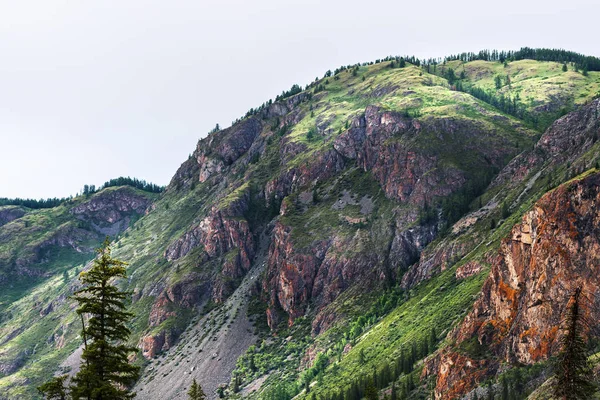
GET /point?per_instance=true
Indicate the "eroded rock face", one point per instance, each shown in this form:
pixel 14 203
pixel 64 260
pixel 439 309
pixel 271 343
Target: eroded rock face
pixel 291 274
pixel 220 150
pixel 555 249
pixel 109 212
pixel 379 141
pixel 383 143
pixel 223 232
pixel 318 274
pixel 322 167
pixel 10 213
pixel 186 294
pixel 565 141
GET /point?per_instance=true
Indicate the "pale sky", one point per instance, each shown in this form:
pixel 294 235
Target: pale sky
pixel 91 90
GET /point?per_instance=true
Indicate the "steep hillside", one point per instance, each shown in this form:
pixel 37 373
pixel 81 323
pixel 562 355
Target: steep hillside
pixel 41 253
pixel 318 240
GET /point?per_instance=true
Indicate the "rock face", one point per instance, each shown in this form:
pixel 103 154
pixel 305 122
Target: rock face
pixel 186 294
pixel 554 250
pixel 224 232
pixel 393 149
pixel 566 141
pixel 10 213
pixel 220 150
pixel 110 211
pixel 384 142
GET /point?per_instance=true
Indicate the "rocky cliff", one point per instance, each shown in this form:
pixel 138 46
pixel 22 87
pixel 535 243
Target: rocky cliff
pixel 551 252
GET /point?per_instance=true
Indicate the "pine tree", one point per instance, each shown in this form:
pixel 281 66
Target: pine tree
pixel 361 356
pixel 451 76
pixel 498 82
pixel 564 67
pixel 196 392
pixel 105 372
pixel 54 389
pixel 371 392
pixel 433 338
pixel 505 393
pixel 505 211
pixel 573 374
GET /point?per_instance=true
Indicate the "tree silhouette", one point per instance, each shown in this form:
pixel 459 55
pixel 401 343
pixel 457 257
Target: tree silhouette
pixel 573 374
pixel 105 371
pixel 54 389
pixel 196 392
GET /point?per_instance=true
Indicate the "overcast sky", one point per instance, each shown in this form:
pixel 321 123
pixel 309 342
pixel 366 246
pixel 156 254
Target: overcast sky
pixel 91 90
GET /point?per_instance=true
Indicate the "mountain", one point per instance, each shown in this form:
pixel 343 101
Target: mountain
pixel 419 221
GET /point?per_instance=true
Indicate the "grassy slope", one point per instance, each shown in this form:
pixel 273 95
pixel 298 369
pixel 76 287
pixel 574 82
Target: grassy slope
pixel 543 87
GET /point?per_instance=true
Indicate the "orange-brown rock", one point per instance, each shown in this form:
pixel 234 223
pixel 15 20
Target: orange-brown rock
pixel 555 249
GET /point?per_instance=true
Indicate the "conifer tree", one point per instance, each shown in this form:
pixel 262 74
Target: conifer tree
pixel 105 372
pixel 505 393
pixel 498 82
pixel 54 389
pixel 371 392
pixel 196 392
pixel 573 374
pixel 433 338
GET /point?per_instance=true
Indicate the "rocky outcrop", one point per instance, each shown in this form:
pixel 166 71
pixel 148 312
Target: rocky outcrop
pixel 394 148
pixel 564 142
pixel 188 293
pixel 223 230
pixel 321 167
pixel 434 260
pixel 10 213
pixel 109 212
pixel 78 225
pixel 291 274
pixel 319 273
pixel 219 150
pixel 555 249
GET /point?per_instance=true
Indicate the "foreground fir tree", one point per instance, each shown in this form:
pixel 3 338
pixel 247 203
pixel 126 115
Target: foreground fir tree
pixel 573 374
pixel 105 372
pixel 196 392
pixel 54 389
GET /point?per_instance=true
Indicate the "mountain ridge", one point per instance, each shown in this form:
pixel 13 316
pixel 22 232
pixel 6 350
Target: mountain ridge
pixel 378 192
